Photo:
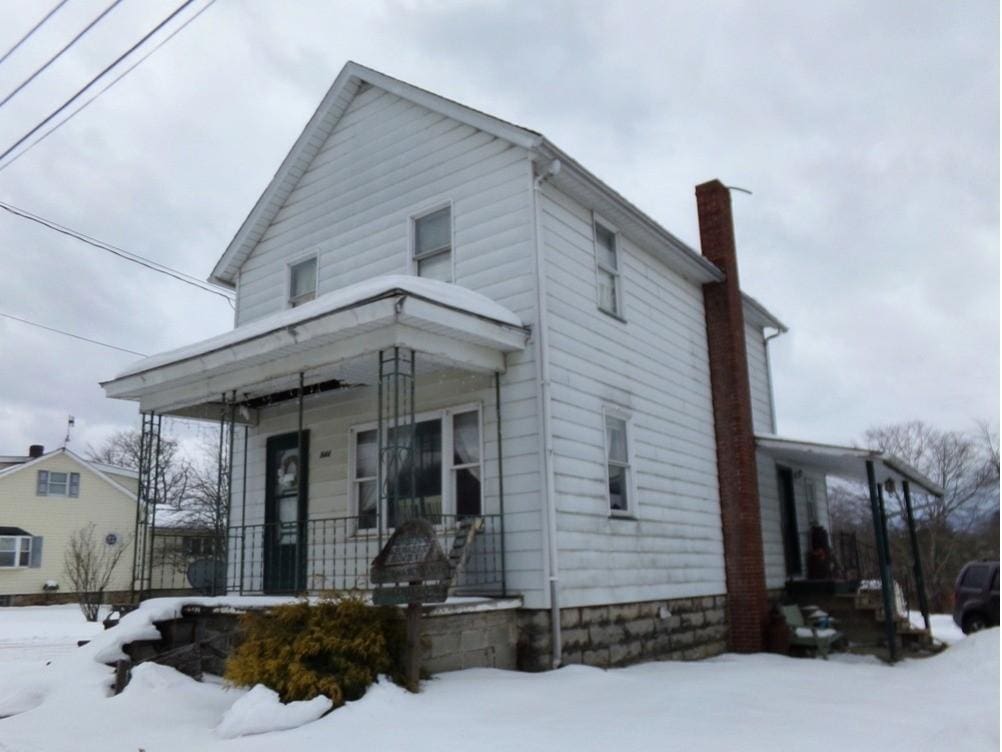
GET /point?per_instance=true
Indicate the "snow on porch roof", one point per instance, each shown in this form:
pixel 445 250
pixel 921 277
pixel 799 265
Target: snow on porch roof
pixel 843 461
pixel 331 338
pixel 440 293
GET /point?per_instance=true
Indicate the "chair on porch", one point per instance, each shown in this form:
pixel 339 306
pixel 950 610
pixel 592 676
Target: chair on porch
pixel 819 639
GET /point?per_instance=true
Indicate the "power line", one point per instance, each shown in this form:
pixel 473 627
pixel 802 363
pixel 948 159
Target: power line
pixel 90 83
pixel 118 78
pixel 33 29
pixel 59 54
pixel 120 252
pixel 70 334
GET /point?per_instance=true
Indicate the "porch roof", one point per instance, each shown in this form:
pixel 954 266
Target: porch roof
pixel 844 462
pixel 330 338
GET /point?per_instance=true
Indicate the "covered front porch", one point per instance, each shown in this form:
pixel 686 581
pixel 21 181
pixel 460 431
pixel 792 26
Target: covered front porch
pixel 337 420
pixel 857 573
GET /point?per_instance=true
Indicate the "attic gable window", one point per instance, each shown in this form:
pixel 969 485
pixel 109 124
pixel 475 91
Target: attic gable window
pixel 57 484
pixel 302 281
pixel 607 262
pixel 432 244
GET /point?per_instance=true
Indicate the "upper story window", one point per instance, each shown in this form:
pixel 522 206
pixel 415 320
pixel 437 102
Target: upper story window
pixel 302 281
pixel 433 245
pixel 15 551
pixel 610 292
pixel 58 484
pixel 618 461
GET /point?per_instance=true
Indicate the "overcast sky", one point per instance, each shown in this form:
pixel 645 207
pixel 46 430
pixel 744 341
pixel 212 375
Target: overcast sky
pixel 868 133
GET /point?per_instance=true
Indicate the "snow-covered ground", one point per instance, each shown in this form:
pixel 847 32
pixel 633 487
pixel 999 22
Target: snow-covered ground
pixel 948 702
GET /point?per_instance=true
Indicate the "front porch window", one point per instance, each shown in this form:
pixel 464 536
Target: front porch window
pixel 445 483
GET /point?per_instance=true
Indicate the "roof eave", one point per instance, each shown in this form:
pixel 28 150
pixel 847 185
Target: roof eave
pixel 353 74
pixel 686 260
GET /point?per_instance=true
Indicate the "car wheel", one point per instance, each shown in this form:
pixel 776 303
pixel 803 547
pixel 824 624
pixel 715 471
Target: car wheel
pixel 974 622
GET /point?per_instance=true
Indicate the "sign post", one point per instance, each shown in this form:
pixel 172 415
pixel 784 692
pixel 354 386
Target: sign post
pixel 411 569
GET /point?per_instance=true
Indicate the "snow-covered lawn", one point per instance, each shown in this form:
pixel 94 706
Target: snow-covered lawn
pixel 733 702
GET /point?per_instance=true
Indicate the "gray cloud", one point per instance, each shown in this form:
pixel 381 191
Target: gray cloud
pixel 867 131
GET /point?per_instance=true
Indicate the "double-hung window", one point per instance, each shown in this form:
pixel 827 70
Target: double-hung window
pixel 15 551
pixel 618 465
pixel 51 483
pixel 446 471
pixel 610 293
pixel 302 281
pixel 432 244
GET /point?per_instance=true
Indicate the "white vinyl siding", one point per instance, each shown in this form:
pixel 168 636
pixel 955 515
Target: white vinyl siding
pixel 655 368
pixel 387 162
pixel 758 379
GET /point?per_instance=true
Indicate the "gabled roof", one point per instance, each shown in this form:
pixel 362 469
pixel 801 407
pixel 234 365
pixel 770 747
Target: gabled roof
pixel 573 177
pixel 94 467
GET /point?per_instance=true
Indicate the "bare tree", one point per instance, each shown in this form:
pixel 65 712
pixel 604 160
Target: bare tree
pixel 960 525
pixel 123 449
pixel 89 563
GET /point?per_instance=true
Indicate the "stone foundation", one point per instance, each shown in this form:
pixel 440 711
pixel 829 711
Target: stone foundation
pixel 478 636
pixel 625 633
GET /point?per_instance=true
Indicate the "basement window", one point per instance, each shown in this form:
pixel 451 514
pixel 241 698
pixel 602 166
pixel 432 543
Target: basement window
pixel 433 245
pixel 302 281
pixel 610 292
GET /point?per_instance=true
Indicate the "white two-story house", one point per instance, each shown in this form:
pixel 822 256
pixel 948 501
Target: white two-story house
pixel 441 313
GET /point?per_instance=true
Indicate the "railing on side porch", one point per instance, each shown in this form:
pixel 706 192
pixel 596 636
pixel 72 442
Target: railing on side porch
pixel 334 554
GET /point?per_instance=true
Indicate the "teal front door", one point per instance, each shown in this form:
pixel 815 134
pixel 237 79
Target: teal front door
pixel 286 504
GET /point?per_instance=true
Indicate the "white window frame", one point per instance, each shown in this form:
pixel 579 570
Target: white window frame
pixel 448 470
pixel 288 277
pixel 22 545
pixel 600 267
pixel 412 220
pixel 632 501
pixel 67 486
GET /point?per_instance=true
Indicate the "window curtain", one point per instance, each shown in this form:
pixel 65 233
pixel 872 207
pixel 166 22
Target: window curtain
pixel 466 442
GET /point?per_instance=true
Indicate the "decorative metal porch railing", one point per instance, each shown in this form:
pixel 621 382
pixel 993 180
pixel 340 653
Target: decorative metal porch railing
pixel 314 556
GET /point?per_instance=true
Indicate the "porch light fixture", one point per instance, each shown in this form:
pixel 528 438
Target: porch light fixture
pixel 889 486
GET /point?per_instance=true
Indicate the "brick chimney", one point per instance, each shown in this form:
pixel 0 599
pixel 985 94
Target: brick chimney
pixel 732 417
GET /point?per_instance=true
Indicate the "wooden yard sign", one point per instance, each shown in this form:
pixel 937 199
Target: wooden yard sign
pixel 411 569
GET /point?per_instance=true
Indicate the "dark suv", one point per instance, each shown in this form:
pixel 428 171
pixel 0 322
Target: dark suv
pixel 976 596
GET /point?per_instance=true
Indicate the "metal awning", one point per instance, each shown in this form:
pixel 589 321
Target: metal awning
pixel 331 339
pixel 844 462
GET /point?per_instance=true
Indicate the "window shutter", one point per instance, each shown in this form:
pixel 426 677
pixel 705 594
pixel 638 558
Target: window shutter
pixel 74 484
pixel 36 552
pixel 43 483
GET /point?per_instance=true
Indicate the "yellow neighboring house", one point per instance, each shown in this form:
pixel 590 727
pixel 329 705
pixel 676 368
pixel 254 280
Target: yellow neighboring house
pixel 44 499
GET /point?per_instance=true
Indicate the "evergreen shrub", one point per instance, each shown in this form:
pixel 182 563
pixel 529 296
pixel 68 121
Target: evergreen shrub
pixel 334 647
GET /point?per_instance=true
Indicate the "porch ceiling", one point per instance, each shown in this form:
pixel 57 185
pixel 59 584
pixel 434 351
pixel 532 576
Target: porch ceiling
pixel 335 336
pixel 843 462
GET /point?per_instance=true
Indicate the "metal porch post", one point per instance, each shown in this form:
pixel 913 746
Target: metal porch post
pixel 243 514
pixel 886 584
pixel 152 531
pixel 301 525
pixel 497 411
pixel 140 517
pixel 916 556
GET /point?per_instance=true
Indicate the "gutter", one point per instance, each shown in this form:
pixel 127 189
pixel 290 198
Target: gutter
pixel 546 444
